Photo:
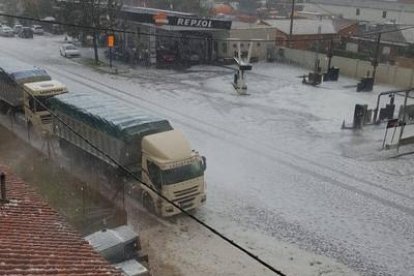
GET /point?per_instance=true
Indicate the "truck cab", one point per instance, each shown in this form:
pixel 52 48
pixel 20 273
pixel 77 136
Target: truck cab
pixel 177 172
pixel 34 98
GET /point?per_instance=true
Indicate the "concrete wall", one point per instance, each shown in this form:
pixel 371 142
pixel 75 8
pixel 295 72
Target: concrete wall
pixel 354 68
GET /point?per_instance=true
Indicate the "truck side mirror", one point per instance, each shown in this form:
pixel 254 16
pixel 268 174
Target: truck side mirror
pixel 204 162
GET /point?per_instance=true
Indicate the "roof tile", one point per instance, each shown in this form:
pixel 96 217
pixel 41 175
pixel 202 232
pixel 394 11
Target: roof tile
pixel 36 240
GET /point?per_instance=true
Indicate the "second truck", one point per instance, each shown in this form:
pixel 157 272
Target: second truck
pixel 24 89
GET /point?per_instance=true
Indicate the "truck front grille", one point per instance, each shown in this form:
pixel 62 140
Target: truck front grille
pixel 185 198
pixel 186 191
pixel 46 119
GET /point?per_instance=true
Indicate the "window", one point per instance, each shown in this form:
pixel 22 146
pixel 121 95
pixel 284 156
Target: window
pixel 384 14
pixel 181 174
pixel 154 174
pixel 358 11
pixel 31 104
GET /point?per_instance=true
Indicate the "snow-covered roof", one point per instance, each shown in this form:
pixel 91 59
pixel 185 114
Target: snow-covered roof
pixel 109 238
pixel 382 5
pixel 300 26
pixel 304 26
pixel 408 34
pixel 145 10
pixel 49 18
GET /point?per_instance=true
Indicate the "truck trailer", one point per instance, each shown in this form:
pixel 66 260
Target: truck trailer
pixel 147 146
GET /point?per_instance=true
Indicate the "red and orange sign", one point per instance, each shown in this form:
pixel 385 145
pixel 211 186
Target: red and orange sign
pixel 111 41
pixel 161 18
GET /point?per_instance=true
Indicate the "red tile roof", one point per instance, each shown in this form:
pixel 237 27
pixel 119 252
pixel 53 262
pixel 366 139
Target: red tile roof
pixel 36 240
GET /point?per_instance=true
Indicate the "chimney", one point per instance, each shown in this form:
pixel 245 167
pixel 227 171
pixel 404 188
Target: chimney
pixel 3 197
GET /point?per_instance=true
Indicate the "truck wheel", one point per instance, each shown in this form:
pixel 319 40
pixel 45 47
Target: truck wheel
pixel 148 203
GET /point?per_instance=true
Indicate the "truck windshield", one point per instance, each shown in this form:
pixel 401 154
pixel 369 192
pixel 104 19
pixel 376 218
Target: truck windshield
pixel 41 103
pixel 38 104
pixel 181 174
pixel 27 76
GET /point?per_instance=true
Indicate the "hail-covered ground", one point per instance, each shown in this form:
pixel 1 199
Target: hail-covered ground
pixel 283 179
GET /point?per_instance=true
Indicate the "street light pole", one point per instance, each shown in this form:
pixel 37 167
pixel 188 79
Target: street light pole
pixel 376 58
pixel 291 23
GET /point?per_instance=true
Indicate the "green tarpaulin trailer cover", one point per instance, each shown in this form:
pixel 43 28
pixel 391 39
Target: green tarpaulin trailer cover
pixel 115 118
pixel 22 72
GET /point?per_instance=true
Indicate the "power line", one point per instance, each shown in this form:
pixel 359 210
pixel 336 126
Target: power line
pixel 127 172
pixel 115 30
pixel 106 155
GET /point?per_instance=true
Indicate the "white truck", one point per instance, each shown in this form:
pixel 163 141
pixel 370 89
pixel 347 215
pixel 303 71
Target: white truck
pixel 147 146
pixel 26 88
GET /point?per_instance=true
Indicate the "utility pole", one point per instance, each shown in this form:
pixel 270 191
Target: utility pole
pixel 376 57
pixel 317 62
pixel 330 53
pixel 291 23
pixel 403 123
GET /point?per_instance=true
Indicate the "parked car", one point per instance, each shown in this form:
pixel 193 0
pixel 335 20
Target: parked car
pixel 6 31
pixel 17 28
pixel 192 58
pixel 69 50
pixel 166 57
pixel 37 29
pixel 26 32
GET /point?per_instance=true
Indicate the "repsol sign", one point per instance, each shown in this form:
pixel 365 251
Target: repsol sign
pixel 199 23
pixel 164 18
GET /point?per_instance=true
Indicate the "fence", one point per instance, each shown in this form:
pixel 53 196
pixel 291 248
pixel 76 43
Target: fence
pixel 354 68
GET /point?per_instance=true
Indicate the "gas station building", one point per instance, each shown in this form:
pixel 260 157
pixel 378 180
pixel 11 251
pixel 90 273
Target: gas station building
pixel 163 36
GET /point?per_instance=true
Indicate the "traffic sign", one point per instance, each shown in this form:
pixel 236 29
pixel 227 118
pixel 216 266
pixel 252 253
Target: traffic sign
pixel 111 41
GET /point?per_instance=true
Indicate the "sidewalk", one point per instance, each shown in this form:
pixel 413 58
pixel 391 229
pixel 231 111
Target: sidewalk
pixel 88 58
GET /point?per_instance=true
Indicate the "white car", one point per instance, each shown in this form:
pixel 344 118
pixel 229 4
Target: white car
pixel 37 29
pixel 17 28
pixel 69 50
pixel 6 31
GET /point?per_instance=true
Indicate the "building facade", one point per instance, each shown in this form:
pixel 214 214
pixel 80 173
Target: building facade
pixel 267 35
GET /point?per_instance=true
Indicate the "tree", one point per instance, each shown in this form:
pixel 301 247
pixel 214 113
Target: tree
pixel 45 8
pixel 193 6
pixel 10 7
pixel 95 14
pixel 248 6
pixel 37 8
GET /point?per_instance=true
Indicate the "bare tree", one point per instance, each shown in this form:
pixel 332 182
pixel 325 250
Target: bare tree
pixel 97 14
